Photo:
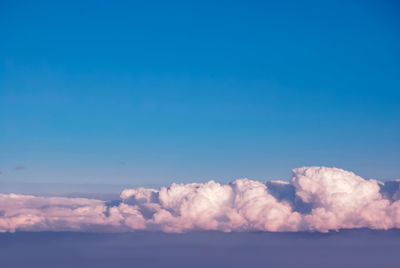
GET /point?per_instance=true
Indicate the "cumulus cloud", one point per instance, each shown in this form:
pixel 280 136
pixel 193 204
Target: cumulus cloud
pixel 315 199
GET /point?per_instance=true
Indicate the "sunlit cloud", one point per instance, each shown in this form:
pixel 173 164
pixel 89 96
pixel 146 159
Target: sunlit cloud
pixel 316 199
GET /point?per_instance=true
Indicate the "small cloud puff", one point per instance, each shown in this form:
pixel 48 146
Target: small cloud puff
pixel 316 199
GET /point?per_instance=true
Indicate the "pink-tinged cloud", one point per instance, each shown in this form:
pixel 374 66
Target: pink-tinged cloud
pixel 316 199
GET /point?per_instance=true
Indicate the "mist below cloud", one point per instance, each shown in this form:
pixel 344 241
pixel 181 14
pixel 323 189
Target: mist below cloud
pixel 347 248
pixel 316 199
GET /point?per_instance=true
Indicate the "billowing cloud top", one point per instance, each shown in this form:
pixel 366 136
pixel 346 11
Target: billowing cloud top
pixel 316 199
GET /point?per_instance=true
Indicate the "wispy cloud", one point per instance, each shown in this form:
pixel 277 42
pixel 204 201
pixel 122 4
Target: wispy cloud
pixel 19 167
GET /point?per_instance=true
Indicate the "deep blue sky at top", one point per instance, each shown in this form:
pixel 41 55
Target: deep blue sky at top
pixel 146 92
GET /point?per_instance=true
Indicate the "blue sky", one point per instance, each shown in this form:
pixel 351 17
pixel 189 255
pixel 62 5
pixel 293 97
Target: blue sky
pixel 147 92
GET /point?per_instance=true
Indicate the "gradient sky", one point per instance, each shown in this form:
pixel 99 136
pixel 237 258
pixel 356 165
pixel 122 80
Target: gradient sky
pixel 147 92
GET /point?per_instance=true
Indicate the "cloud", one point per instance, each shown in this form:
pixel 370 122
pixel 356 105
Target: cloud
pixel 315 199
pixel 340 199
pixel 19 168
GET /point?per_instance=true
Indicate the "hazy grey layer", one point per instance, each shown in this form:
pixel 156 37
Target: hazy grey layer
pixel 347 248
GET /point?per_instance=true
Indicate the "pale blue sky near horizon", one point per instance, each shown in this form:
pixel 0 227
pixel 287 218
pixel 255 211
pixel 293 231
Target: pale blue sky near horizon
pixel 131 92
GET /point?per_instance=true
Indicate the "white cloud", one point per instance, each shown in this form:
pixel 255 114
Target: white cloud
pixel 316 199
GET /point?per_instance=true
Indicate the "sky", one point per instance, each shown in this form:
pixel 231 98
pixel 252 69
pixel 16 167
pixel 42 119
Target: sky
pixel 150 92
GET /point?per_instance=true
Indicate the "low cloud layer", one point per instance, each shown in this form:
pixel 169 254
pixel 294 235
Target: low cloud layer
pixel 316 199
